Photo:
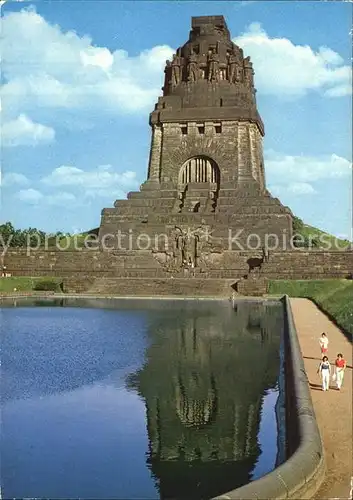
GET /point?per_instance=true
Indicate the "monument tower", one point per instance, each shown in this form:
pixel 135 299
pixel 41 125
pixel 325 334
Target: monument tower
pixel 206 166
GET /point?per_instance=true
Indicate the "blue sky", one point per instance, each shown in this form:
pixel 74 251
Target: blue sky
pixel 79 79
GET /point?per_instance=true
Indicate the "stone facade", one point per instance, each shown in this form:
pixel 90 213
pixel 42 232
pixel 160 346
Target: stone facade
pixel 140 273
pixel 206 166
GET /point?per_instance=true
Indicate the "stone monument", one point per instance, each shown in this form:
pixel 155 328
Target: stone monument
pixel 206 175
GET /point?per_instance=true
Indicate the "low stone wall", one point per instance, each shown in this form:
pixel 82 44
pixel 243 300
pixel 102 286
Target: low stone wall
pixel 252 287
pixel 80 262
pixel 298 264
pixel 140 273
pixel 301 475
pixel 146 287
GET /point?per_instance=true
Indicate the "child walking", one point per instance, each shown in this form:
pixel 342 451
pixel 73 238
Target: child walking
pixel 325 371
pixel 340 364
pixel 323 341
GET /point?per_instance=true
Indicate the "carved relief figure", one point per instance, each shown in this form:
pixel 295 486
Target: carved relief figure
pixel 177 247
pixel 192 67
pixel 185 247
pixel 190 249
pixel 213 69
pixel 210 253
pixel 176 63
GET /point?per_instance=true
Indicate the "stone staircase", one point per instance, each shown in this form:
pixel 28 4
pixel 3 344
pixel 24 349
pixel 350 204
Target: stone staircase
pixel 149 287
pixel 173 287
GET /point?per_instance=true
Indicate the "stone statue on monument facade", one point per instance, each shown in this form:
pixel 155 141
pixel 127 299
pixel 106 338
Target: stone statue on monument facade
pixel 235 66
pixel 176 67
pixel 213 68
pixel 167 76
pixel 248 73
pixel 193 69
pixel 232 67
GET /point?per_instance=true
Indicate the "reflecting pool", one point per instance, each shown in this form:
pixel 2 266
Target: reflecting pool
pixel 117 399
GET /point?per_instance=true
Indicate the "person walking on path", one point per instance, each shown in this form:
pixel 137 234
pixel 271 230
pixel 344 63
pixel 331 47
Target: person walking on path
pixel 325 371
pixel 323 343
pixel 333 410
pixel 340 365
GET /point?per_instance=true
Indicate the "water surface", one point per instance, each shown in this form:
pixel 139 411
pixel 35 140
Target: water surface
pixel 137 399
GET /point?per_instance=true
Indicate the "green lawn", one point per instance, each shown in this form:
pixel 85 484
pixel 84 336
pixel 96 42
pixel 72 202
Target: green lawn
pixel 26 284
pixel 335 297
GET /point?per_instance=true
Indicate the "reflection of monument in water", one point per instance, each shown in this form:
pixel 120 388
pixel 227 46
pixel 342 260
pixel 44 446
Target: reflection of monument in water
pixel 203 383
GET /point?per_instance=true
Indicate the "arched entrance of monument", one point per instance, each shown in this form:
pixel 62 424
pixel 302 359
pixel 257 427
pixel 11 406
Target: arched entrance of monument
pixel 198 185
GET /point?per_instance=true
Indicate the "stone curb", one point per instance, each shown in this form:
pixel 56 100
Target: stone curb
pixel 16 295
pixel 302 474
pixel 52 295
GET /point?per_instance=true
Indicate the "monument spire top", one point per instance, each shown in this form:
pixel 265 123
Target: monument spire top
pixel 209 25
pixel 215 20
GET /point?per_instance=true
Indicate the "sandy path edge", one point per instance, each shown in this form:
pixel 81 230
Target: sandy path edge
pixel 333 409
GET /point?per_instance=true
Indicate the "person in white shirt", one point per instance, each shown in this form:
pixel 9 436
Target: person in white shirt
pixel 324 370
pixel 323 341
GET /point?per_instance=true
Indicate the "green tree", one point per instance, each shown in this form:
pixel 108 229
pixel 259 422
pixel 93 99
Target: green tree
pixel 297 225
pixel 7 232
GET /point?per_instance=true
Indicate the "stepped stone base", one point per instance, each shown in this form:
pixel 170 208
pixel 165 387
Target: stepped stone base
pixel 244 214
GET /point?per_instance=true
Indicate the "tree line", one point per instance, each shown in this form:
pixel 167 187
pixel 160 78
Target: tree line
pixel 12 237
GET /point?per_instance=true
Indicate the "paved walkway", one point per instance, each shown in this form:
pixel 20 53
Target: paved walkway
pixel 333 409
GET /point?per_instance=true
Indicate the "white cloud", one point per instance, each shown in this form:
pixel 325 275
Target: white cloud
pixel 44 66
pixel 69 186
pixel 31 196
pixel 306 169
pixel 283 68
pixel 102 58
pixel 12 179
pixel 61 199
pixel 35 197
pixel 296 188
pixel 101 182
pixel 24 132
pixel 301 188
